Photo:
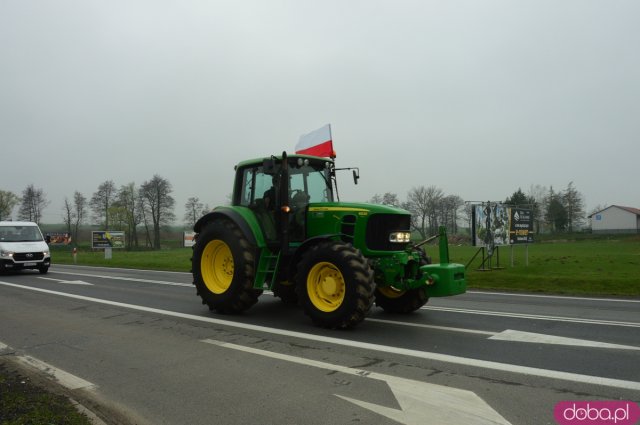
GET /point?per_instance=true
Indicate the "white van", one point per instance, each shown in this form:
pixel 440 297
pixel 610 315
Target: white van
pixel 23 247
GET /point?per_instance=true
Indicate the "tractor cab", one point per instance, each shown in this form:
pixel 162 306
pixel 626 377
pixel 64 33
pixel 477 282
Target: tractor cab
pixel 279 190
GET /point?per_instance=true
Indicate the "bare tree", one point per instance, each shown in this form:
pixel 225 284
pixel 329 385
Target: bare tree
pixel 144 217
pixel 388 198
pixel 423 203
pixel 449 207
pixel 194 209
pixel 80 211
pixel 101 202
pixel 68 214
pixel 8 201
pixel 538 198
pixel 127 200
pixel 159 203
pixel 33 202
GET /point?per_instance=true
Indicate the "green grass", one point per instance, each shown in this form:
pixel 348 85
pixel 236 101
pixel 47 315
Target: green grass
pixel 585 267
pixel 22 403
pixel 605 267
pixel 174 259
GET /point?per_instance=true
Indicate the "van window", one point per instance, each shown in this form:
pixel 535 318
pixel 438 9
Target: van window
pixel 20 234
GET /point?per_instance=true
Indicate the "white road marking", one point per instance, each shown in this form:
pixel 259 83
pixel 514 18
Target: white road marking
pixel 65 379
pixel 435 308
pixel 70 282
pixel 420 402
pixel 440 328
pixel 559 297
pixel 519 336
pixel 72 266
pixel 130 279
pixel 534 316
pixel 447 358
pixel 507 294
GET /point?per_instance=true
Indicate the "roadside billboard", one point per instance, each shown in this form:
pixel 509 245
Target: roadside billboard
pixel 490 225
pixel 498 225
pixel 107 239
pixel 520 226
pixel 58 238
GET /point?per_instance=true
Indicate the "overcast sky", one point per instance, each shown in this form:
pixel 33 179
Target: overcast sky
pixel 475 97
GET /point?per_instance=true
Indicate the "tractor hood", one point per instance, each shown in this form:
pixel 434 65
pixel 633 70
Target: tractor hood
pixel 367 226
pixel 359 209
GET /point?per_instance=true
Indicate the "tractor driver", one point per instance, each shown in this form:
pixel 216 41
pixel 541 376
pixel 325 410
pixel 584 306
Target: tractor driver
pixel 269 196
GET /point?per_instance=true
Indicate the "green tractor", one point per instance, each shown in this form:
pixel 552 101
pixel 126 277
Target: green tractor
pixel 284 232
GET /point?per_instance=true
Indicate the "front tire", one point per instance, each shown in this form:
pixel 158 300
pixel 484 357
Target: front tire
pixel 43 269
pixel 223 268
pixel 393 300
pixel 335 285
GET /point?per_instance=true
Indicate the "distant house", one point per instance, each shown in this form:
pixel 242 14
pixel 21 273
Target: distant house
pixel 616 219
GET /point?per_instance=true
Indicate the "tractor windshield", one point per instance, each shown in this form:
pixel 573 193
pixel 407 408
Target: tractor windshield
pixel 310 179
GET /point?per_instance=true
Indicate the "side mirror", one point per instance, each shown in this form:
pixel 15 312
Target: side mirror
pixel 356 176
pixel 47 239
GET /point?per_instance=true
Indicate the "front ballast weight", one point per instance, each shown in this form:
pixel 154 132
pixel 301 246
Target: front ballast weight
pixel 445 278
pixel 436 280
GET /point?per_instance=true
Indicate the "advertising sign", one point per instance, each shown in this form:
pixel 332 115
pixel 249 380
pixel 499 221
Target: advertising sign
pixel 499 225
pixel 107 239
pixel 520 226
pixel 58 238
pixel 490 225
pixel 188 239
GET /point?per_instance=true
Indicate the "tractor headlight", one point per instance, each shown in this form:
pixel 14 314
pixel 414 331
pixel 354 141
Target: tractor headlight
pixel 400 237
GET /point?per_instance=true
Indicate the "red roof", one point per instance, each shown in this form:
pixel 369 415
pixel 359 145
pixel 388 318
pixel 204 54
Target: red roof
pixel 635 211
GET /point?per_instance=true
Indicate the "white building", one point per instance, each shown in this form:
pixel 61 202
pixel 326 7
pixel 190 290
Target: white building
pixel 616 219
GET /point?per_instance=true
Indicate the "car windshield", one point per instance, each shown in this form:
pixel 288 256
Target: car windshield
pixel 20 234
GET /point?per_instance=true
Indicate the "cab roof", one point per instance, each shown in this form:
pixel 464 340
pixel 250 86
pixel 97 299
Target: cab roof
pixel 279 157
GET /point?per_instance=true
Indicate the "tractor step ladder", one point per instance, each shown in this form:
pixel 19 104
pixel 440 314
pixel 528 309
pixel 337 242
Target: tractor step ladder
pixel 267 269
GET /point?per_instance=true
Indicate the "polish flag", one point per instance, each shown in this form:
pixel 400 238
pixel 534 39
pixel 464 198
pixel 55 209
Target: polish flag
pixel 317 143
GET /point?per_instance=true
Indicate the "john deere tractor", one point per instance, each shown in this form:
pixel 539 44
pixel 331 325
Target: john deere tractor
pixel 284 232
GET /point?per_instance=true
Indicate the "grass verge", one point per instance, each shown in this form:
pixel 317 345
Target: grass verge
pixel 24 402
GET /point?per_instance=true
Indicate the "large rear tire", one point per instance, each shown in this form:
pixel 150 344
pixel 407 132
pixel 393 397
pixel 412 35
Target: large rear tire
pixel 335 285
pixel 223 268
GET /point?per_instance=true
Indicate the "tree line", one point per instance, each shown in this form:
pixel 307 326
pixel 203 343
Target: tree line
pixel 430 207
pixel 142 211
pixel 139 211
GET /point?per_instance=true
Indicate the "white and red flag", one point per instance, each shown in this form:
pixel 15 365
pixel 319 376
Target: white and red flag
pixel 317 143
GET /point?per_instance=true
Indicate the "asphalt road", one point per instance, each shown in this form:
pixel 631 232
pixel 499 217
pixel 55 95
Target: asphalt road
pixel 139 345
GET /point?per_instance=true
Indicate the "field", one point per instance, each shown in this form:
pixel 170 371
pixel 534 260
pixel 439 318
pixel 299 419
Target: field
pixel 587 267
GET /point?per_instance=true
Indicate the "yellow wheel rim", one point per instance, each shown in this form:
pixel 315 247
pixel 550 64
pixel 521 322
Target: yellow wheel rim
pixel 217 266
pixel 391 292
pixel 326 287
